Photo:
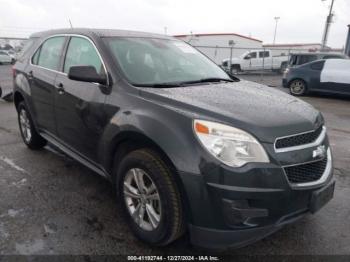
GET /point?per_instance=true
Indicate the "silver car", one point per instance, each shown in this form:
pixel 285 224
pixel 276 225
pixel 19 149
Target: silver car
pixel 5 58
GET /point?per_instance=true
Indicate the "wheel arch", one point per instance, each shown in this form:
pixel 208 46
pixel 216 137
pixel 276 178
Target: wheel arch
pixel 127 141
pixel 17 98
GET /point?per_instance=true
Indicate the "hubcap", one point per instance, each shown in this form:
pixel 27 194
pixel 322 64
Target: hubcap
pixel 25 125
pixel 142 199
pixel 297 87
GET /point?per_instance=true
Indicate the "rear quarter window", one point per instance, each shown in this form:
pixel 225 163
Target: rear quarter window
pixel 318 66
pixel 28 45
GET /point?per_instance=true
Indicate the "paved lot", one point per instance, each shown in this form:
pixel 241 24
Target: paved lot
pixel 50 204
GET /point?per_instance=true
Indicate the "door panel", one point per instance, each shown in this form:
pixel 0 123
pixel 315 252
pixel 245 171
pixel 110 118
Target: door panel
pixel 79 106
pixel 79 111
pixel 41 76
pixel 42 92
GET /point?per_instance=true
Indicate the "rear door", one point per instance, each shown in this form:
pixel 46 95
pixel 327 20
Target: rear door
pixel 79 106
pixel 41 75
pixel 265 61
pixel 315 70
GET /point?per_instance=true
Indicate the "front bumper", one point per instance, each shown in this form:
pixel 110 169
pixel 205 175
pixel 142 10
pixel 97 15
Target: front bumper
pixel 235 207
pixel 252 229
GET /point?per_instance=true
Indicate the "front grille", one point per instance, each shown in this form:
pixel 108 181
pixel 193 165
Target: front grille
pixel 306 172
pixel 298 140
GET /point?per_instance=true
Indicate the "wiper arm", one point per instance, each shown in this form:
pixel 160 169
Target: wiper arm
pixel 215 79
pixel 162 85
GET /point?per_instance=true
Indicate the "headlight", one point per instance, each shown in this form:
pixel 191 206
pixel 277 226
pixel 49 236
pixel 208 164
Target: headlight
pixel 285 73
pixel 232 146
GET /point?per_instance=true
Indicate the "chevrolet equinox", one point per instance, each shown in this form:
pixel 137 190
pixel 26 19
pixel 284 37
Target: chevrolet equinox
pixel 187 147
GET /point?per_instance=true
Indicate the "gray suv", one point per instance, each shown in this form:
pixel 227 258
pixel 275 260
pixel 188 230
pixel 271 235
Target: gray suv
pixel 187 147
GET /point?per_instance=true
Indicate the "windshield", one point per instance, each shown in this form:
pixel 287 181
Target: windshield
pixel 147 61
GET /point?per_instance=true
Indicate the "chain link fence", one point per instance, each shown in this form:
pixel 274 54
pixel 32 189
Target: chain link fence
pixel 260 59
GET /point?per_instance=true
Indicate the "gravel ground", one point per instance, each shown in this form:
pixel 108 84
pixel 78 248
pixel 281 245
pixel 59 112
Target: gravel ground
pixel 51 204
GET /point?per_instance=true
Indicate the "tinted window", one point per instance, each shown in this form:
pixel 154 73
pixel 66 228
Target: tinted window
pixel 263 54
pixel 35 58
pixel 50 53
pixel 317 65
pixel 82 52
pixel 332 56
pixel 252 55
pixel 303 59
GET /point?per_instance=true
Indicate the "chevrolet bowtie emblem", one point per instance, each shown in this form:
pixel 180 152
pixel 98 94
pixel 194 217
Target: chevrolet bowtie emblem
pixel 319 152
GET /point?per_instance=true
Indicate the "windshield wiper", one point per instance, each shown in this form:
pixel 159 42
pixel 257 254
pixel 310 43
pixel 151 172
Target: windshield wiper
pixel 162 85
pixel 186 83
pixel 210 80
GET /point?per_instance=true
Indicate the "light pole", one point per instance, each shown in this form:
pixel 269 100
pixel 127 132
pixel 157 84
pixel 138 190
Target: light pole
pixel 328 24
pixel 274 37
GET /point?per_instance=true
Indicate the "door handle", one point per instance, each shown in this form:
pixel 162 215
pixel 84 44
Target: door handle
pixel 60 88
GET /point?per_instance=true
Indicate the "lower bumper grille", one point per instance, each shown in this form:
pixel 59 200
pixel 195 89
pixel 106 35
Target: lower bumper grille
pixel 305 173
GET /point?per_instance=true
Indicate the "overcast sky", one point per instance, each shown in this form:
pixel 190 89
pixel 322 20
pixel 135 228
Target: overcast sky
pixel 302 21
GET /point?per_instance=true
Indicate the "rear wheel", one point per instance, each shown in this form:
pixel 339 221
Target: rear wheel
pixel 298 87
pixel 150 198
pixel 29 135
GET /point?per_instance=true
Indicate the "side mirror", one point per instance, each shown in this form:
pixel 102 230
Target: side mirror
pixel 86 74
pixel 247 57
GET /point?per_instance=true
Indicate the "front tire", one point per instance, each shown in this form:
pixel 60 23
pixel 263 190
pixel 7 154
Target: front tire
pixel 150 198
pixel 29 135
pixel 297 87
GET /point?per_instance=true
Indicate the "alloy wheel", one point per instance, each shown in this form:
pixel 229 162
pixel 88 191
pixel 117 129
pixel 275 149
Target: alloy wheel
pixel 25 125
pixel 297 87
pixel 142 199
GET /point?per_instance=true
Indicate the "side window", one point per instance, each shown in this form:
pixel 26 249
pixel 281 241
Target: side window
pixel 306 59
pixel 50 53
pixel 263 54
pixel 317 66
pixel 253 55
pixel 82 52
pixel 35 58
pixel 332 57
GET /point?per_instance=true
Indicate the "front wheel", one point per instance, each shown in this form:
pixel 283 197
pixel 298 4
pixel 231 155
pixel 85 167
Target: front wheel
pixel 150 198
pixel 297 87
pixel 29 135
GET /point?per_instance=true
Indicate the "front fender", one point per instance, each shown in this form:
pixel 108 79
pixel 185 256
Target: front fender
pixel 171 131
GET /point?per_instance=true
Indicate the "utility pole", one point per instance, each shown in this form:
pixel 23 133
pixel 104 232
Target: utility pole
pixel 274 37
pixel 329 20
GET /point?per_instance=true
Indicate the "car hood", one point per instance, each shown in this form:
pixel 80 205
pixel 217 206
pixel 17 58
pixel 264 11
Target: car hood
pixel 263 111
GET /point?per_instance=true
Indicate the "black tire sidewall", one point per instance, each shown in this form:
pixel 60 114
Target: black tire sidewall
pixel 161 233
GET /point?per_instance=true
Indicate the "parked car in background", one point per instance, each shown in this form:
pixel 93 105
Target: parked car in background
pixel 256 60
pixel 12 54
pixel 5 58
pixel 304 58
pixel 186 147
pixel 326 76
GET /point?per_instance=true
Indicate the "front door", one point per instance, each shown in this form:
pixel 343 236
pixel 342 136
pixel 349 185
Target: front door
pixel 79 106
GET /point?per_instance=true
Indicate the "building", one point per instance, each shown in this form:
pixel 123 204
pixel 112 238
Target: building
pixel 218 46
